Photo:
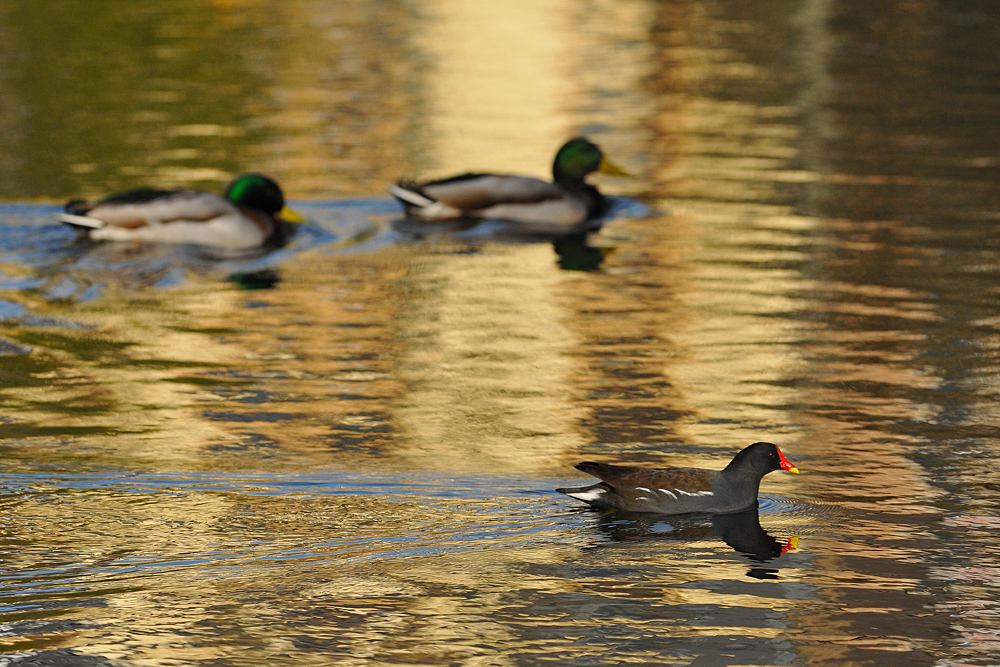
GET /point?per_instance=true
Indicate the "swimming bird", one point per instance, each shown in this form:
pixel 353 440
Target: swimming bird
pixel 249 215
pixel 565 206
pixel 682 490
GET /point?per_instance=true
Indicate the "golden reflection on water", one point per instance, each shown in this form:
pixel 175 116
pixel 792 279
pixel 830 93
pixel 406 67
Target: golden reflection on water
pixel 201 92
pixel 485 362
pixel 495 84
pixel 816 275
pixel 339 104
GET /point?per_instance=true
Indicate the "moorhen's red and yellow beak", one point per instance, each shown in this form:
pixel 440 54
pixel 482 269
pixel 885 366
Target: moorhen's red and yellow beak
pixel 791 545
pixel 786 464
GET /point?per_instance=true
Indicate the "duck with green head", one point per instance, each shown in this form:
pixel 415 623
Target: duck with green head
pixel 567 205
pixel 249 215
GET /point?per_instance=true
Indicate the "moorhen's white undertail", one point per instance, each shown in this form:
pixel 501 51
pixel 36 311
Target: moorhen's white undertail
pixel 681 490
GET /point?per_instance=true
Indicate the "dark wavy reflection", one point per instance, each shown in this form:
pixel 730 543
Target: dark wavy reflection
pixel 741 531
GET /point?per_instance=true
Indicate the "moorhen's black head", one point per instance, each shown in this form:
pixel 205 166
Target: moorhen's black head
pixel 760 458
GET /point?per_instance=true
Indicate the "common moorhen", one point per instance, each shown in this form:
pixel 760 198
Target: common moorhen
pixel 681 490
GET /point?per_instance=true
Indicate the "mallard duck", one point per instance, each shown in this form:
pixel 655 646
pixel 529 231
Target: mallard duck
pixel 565 206
pixel 248 215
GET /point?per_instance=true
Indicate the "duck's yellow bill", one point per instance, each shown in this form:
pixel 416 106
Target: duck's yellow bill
pixel 608 167
pixel 288 215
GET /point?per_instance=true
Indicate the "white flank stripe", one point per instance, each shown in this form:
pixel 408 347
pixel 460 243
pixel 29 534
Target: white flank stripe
pixel 669 493
pixel 642 488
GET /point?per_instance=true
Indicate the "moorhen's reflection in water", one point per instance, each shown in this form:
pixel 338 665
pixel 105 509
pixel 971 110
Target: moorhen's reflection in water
pixel 741 531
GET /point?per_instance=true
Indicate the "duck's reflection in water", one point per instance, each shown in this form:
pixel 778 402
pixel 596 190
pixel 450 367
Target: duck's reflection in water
pixel 576 254
pixel 741 531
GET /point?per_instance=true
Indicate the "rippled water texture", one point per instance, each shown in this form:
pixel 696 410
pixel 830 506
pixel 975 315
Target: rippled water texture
pixel 344 452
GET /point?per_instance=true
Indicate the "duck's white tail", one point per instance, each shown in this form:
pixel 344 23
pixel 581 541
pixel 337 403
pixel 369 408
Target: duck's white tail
pixel 81 221
pixel 423 207
pixel 410 197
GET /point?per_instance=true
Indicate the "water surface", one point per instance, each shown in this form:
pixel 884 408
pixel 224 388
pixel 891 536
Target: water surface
pixel 355 463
